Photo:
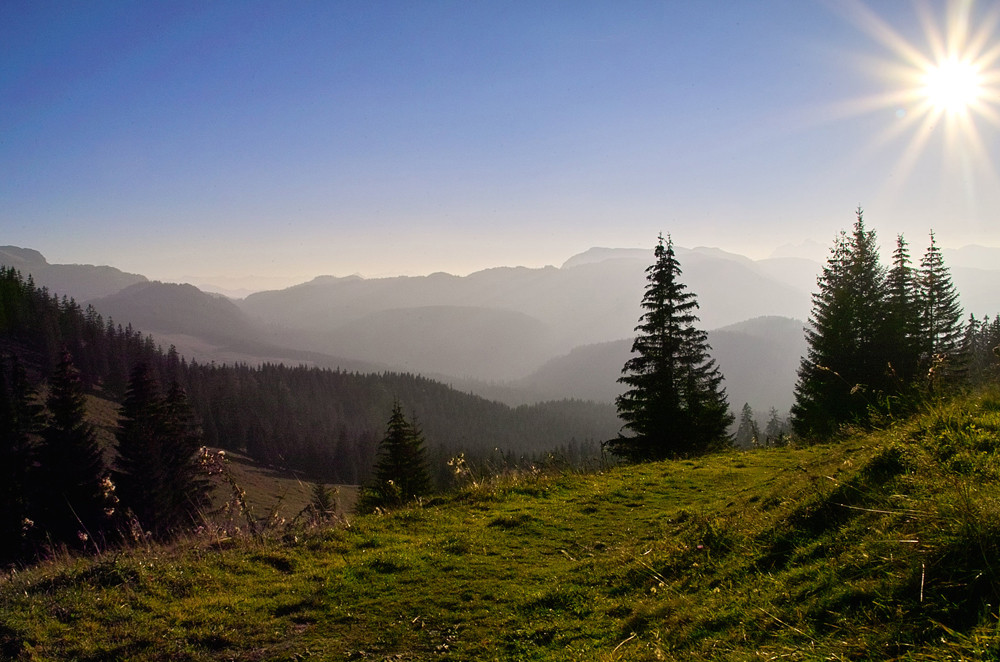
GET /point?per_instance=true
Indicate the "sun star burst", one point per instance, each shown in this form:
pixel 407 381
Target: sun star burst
pixel 945 89
pixel 952 85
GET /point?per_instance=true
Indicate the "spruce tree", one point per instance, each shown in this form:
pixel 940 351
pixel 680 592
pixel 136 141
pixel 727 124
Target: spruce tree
pixel 747 432
pixel 70 479
pixel 976 360
pixel 902 317
pixel 940 310
pixel 675 404
pixel 20 420
pixel 984 349
pixel 776 429
pixel 323 504
pixel 845 370
pixel 401 466
pixel 401 457
pixel 141 467
pixel 989 346
pixel 186 484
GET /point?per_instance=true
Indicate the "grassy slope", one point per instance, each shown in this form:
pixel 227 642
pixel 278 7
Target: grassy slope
pixel 884 546
pixel 268 490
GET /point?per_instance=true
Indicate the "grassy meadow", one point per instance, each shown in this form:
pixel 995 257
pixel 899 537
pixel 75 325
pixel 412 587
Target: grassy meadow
pixel 882 546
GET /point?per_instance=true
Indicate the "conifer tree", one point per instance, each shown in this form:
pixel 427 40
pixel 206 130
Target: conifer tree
pixel 989 347
pixel 976 365
pixel 402 457
pixel 20 420
pixel 184 481
pixel 980 350
pixel 845 368
pixel 400 467
pixel 140 469
pixel 323 504
pixel 675 404
pixel 776 429
pixel 902 316
pixel 940 310
pixel 747 432
pixel 73 503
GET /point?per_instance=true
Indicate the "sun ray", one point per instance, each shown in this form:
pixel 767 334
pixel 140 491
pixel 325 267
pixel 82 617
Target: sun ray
pixel 876 27
pixel 907 161
pixel 941 92
pixel 981 38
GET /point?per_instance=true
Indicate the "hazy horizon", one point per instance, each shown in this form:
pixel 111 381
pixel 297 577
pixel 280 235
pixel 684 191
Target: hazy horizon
pixel 239 141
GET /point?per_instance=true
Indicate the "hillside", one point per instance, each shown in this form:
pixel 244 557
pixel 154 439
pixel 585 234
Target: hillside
pixel 79 281
pixel 881 546
pixel 758 358
pixel 267 489
pixel 322 423
pixel 515 334
pixel 537 314
pixel 208 327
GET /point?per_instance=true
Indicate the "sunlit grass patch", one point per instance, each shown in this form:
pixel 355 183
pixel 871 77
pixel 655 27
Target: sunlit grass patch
pixel 877 547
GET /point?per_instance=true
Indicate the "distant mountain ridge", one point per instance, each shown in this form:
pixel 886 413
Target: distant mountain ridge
pixel 758 358
pixel 591 299
pixel 79 281
pixel 973 257
pixel 520 334
pixel 208 327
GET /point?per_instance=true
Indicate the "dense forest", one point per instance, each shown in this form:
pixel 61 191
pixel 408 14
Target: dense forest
pixel 323 423
pixel 882 340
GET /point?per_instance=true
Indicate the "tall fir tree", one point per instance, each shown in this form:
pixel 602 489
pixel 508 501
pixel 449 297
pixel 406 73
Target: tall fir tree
pixel 185 482
pixel 323 503
pixel 400 467
pixel 902 317
pixel 70 489
pixel 747 432
pixel 845 368
pixel 981 346
pixel 940 310
pixel 675 404
pixel 775 430
pixel 20 421
pixel 141 467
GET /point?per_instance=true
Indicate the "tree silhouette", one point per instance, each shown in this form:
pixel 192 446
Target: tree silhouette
pixel 141 468
pixel 747 432
pixel 400 467
pixel 846 365
pixel 675 404
pixel 902 316
pixel 186 484
pixel 940 311
pixel 775 430
pixel 71 495
pixel 20 419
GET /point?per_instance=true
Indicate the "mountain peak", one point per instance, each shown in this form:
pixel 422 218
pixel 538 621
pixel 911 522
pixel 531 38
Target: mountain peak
pixel 21 258
pixel 599 254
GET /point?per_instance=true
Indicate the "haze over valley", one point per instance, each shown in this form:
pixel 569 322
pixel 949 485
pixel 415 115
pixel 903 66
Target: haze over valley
pixel 473 193
pixel 515 334
pixel 444 330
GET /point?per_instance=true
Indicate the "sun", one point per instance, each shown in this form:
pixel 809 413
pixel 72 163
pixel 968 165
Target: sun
pixel 942 90
pixel 953 86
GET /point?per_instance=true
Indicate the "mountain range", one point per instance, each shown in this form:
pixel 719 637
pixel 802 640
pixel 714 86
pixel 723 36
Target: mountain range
pixel 514 334
pixel 79 281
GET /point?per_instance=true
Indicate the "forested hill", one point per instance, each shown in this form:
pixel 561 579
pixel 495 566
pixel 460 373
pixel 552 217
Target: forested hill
pixel 325 423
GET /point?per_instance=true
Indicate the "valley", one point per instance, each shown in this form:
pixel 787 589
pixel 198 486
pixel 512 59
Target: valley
pixel 512 334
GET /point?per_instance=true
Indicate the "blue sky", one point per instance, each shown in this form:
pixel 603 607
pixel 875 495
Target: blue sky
pixel 282 140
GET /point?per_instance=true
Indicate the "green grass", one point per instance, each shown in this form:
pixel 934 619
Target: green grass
pixel 271 493
pixel 882 546
pixel 271 490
